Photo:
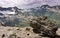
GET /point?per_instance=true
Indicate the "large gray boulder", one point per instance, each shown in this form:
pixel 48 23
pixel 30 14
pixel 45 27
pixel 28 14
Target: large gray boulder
pixel 44 26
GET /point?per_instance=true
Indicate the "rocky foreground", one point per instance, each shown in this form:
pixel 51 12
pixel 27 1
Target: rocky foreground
pixel 18 32
pixel 42 27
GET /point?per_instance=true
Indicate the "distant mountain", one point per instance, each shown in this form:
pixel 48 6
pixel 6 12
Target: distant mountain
pixel 31 10
pixel 46 6
pixel 57 7
pixel 5 9
pixel 8 9
pixel 37 11
pixel 1 14
pixel 54 7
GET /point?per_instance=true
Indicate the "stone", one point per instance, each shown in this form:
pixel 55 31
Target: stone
pixel 3 35
pixel 28 34
pixel 43 25
pixel 2 24
pixel 18 37
pixel 27 29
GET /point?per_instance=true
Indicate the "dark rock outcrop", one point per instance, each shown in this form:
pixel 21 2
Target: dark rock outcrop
pixel 43 26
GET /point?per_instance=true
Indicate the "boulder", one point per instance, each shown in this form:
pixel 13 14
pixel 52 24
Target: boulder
pixel 44 26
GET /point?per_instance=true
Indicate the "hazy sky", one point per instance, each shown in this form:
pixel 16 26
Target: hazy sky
pixel 27 3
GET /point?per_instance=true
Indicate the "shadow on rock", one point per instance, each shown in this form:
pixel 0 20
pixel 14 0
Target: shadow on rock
pixel 57 36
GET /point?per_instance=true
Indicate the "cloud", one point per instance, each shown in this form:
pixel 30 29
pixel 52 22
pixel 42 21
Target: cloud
pixel 7 3
pixel 27 3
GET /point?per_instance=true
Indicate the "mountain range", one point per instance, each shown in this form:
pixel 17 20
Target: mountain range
pixel 23 15
pixel 16 9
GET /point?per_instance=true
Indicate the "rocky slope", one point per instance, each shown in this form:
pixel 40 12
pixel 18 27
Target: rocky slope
pixel 21 32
